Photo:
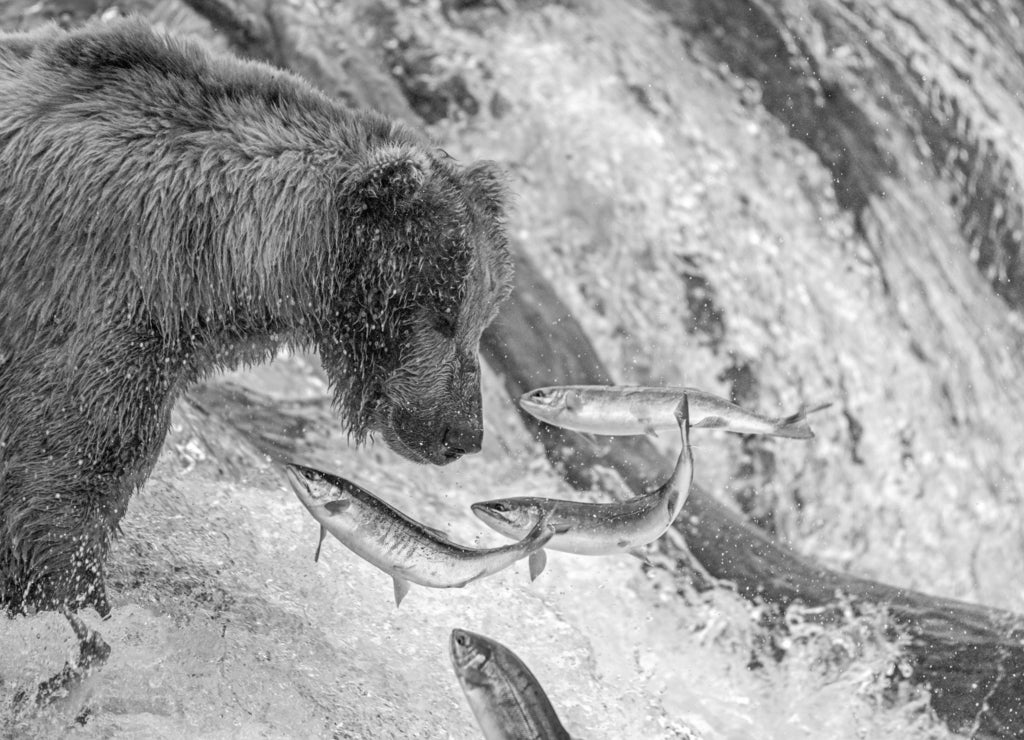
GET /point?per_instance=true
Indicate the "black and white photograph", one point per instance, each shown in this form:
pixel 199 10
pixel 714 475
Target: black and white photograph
pixel 512 369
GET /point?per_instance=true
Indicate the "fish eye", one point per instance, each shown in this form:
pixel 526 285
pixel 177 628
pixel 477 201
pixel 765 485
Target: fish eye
pixel 500 506
pixel 462 639
pixel 539 394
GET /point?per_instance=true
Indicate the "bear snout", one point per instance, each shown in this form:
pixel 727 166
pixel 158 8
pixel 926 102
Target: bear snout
pixel 433 438
pixel 461 439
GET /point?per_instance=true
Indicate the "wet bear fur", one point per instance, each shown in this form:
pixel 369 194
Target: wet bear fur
pixel 166 212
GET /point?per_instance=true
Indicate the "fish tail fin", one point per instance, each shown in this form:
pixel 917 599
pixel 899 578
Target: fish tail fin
pixel 795 426
pixel 682 414
pixel 682 410
pixel 677 487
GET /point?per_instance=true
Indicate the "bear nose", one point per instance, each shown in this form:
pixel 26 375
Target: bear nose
pixel 462 440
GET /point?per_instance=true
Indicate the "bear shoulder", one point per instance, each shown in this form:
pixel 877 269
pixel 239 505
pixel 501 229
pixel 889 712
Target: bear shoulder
pixel 102 54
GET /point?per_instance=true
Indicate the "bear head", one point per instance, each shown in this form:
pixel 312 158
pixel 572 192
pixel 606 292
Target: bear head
pixel 426 266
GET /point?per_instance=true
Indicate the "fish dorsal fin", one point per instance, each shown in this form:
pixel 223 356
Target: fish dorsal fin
pixel 483 573
pixel 538 561
pixel 323 534
pixel 401 589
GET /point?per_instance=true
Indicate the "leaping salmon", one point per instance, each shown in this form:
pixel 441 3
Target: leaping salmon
pixel 632 410
pixel 507 700
pixel 601 529
pixel 401 547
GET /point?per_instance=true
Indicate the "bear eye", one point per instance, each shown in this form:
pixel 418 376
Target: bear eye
pixel 444 324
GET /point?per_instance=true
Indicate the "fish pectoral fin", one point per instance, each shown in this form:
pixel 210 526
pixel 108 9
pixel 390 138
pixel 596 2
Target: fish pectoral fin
pixel 710 422
pixel 795 426
pixel 538 562
pixel 401 589
pixel 638 553
pixel 323 534
pixel 674 504
pixel 479 575
pixel 804 411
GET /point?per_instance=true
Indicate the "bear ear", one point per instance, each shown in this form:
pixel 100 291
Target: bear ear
pixel 489 182
pixel 388 177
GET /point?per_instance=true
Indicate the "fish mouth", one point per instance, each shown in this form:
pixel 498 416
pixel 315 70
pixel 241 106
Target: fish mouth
pixel 301 478
pixel 494 512
pixel 460 641
pixel 296 479
pixel 540 398
pixel 507 517
pixel 469 652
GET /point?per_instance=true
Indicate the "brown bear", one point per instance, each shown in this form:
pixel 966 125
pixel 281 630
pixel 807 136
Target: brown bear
pixel 166 212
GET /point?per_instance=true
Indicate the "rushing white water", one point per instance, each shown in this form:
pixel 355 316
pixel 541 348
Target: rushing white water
pixel 224 627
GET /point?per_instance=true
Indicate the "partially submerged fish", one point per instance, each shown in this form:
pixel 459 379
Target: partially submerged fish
pixel 630 410
pixel 508 702
pixel 401 547
pixel 601 529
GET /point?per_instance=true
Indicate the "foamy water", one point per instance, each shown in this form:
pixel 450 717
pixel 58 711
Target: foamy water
pixel 224 627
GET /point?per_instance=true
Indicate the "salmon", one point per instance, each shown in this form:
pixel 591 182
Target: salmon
pixel 403 548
